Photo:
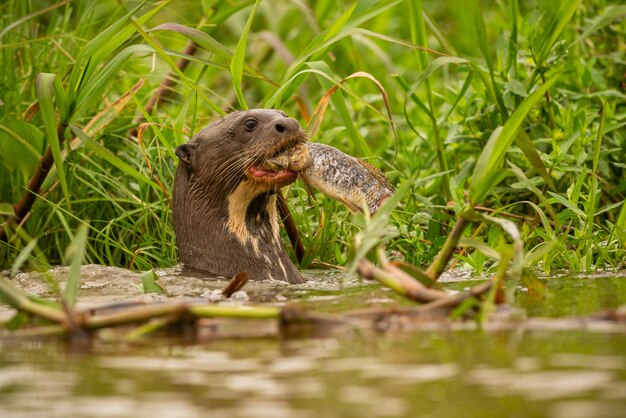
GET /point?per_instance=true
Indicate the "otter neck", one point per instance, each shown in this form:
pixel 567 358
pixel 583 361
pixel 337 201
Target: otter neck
pixel 238 233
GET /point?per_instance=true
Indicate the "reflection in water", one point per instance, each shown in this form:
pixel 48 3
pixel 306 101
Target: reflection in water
pixel 423 374
pixel 555 374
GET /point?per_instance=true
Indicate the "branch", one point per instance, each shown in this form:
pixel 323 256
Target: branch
pixel 445 253
pixel 290 227
pixel 23 207
pixel 236 283
pixel 399 281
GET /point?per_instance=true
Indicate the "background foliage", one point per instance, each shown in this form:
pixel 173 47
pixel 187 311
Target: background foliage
pixel 77 77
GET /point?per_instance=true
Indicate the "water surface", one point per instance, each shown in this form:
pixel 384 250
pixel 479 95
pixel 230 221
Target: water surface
pixel 469 373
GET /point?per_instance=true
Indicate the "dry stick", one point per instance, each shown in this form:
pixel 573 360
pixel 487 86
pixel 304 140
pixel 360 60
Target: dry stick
pixel 134 315
pixel 236 283
pixel 258 312
pixel 408 281
pixel 23 207
pixel 403 284
pixel 445 253
pixel 290 227
pixel 178 309
pixel 452 301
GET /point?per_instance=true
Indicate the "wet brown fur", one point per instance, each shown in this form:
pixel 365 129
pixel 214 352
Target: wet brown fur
pixel 225 219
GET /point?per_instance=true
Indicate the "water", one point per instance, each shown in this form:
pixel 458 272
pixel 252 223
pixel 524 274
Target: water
pixel 522 372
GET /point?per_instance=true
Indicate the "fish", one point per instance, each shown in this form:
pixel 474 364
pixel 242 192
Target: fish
pixel 340 176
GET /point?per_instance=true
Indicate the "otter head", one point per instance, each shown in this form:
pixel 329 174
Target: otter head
pixel 224 203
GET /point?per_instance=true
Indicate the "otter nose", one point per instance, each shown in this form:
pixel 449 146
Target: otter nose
pixel 287 126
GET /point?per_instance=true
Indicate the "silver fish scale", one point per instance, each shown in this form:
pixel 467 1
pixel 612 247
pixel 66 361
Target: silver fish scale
pixel 344 178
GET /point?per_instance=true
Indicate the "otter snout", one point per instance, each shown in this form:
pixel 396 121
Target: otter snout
pixel 287 126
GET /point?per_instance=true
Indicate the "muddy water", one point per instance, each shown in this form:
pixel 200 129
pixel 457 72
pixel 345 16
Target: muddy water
pixel 467 373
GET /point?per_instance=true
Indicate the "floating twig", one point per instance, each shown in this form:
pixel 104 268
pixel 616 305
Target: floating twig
pixel 236 284
pixel 21 302
pixel 452 301
pixel 399 281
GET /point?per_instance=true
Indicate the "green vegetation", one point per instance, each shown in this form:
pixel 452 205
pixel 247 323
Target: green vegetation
pixel 513 107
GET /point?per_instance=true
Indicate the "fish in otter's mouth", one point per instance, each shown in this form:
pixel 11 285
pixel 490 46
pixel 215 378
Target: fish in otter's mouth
pixel 283 165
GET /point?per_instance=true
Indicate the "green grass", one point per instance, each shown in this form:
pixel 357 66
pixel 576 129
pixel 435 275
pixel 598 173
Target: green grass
pixel 519 107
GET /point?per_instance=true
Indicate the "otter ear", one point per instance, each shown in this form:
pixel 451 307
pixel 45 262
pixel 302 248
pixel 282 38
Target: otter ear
pixel 185 151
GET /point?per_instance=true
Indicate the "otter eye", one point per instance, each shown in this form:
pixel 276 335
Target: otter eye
pixel 250 124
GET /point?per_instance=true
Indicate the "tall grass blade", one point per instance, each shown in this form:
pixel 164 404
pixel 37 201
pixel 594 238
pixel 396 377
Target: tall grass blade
pixel 483 43
pixel 184 79
pixel 563 12
pixel 621 220
pixel 320 110
pixel 22 257
pixel 530 151
pixel 611 13
pixel 45 95
pixel 208 43
pixel 494 151
pixel 340 106
pixel 239 55
pixel 106 43
pixel 511 59
pixel 89 95
pixel 375 233
pixel 112 158
pixel 75 253
pixel 26 18
pixel 593 188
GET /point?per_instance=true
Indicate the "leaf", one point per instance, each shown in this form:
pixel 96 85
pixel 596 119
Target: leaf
pixel 498 144
pixel 236 66
pixel 373 233
pixel 530 151
pixel 209 44
pixel 480 246
pixel 517 261
pixel 45 87
pixel 318 114
pixel 537 253
pixel 430 69
pixel 292 81
pixel 19 144
pixel 19 320
pixel 563 201
pixel 340 106
pixel 150 282
pixel 22 257
pixel 610 14
pixel 620 225
pixel 75 253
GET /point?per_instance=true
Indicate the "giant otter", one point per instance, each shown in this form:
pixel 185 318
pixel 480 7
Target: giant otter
pixel 224 203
